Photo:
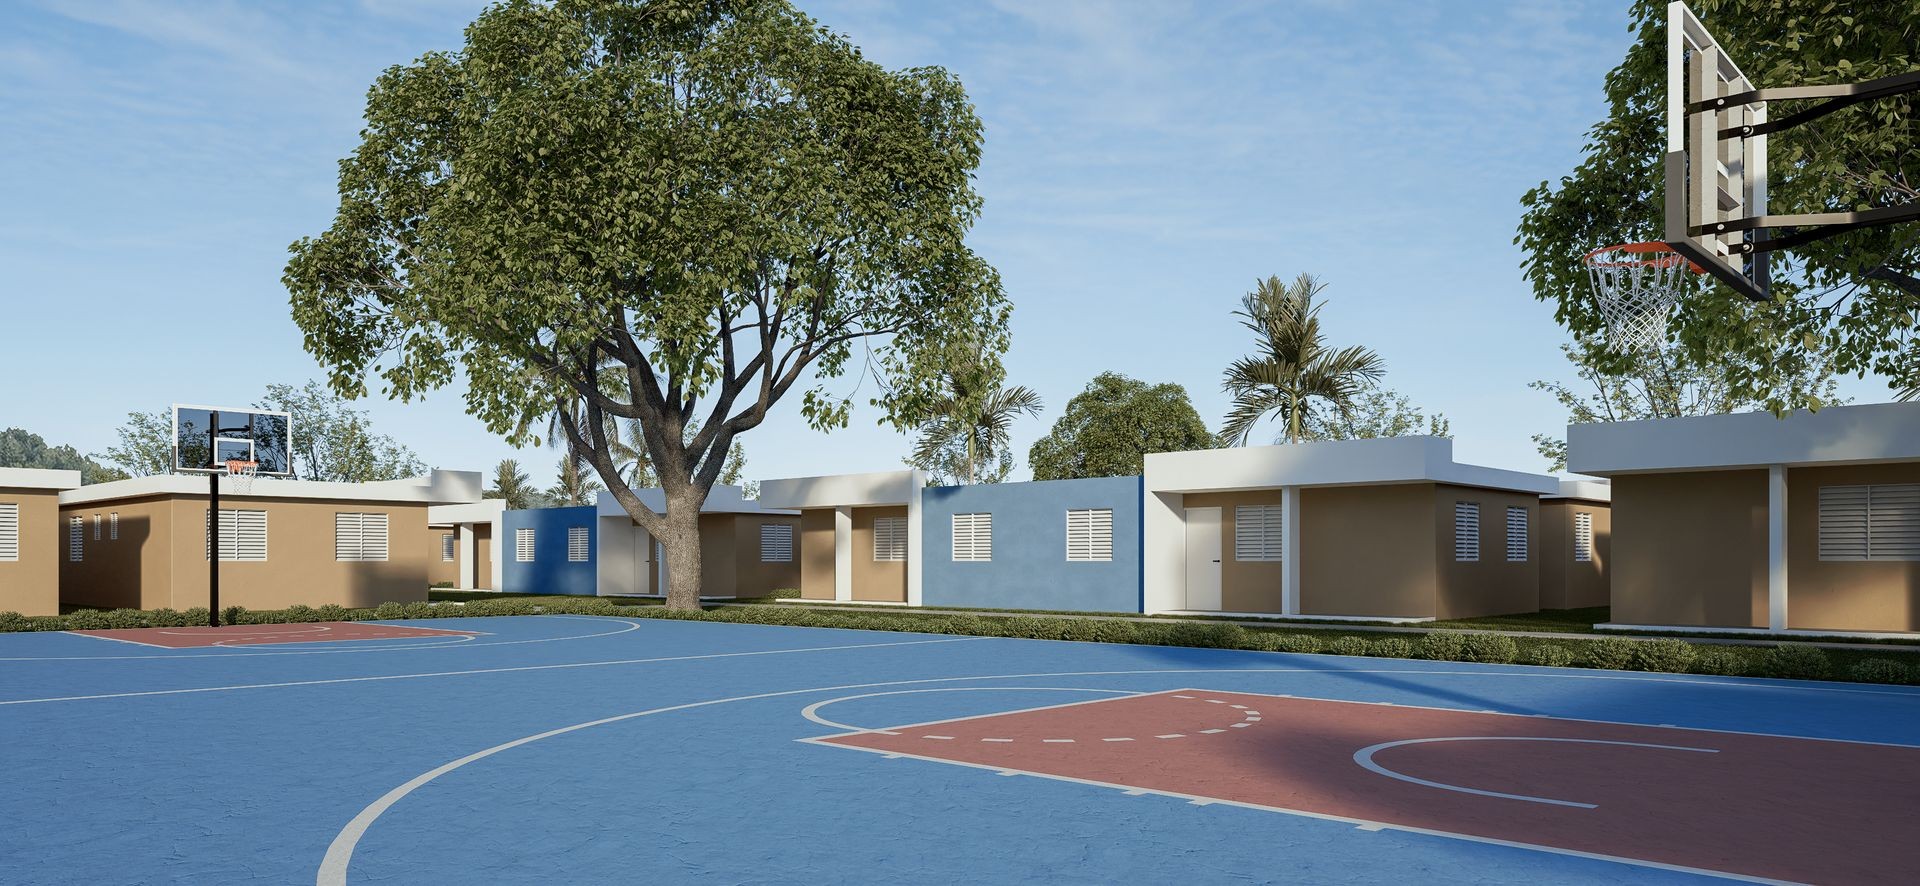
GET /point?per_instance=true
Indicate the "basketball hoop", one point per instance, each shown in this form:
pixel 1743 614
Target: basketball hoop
pixel 241 473
pixel 1636 286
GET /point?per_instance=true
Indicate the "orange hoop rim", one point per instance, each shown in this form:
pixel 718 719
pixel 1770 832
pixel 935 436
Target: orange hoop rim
pixel 1649 247
pixel 238 465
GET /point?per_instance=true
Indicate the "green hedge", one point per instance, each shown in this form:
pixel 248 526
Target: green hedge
pixel 1798 661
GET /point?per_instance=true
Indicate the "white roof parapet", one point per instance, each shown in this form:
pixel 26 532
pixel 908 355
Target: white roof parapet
pixel 1331 463
pixel 1881 432
pixel 486 510
pixel 880 488
pixel 38 478
pixel 1585 489
pixel 722 499
pixel 437 487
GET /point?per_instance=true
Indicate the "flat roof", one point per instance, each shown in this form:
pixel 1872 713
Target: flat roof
pixel 1331 463
pixel 38 478
pixel 438 487
pixel 878 488
pixel 1836 435
pixel 1585 489
pixel 722 499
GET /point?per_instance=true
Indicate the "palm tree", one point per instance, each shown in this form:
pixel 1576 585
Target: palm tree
pixel 510 483
pixel 1292 368
pixel 968 440
pixel 572 486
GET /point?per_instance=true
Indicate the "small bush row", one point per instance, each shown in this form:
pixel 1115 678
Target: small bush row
pixel 1795 661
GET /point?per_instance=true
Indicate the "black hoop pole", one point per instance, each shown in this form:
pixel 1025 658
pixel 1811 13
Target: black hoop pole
pixel 213 549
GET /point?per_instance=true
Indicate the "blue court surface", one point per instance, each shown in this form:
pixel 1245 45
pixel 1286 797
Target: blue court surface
pixel 573 749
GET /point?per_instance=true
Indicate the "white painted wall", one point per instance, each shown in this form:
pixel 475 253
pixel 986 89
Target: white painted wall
pixel 1877 432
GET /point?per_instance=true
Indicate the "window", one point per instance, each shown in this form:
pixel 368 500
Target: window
pixel 1518 541
pixel 1089 535
pixel 776 543
pixel 243 536
pixel 446 547
pixel 1256 533
pixel 973 538
pixel 523 546
pixel 1880 522
pixel 889 539
pixel 1466 532
pixel 360 537
pixel 113 526
pixel 96 527
pixel 1582 538
pixel 76 543
pixel 577 548
pixel 9 532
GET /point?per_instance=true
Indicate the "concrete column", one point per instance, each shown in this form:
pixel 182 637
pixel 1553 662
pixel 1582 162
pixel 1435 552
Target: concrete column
pixel 1777 547
pixel 1163 551
pixel 913 537
pixel 1290 550
pixel 843 553
pixel 466 554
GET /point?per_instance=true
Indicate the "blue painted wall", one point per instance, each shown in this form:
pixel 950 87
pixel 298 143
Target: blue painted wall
pixel 549 573
pixel 1029 569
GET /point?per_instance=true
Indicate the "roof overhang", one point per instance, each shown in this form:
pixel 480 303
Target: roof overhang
pixel 1584 489
pixel 39 478
pixel 722 499
pixel 1380 461
pixel 1836 435
pixel 487 510
pixel 879 489
pixel 437 487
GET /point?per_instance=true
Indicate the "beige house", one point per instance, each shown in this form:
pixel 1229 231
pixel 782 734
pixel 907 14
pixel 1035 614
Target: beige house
pixel 142 543
pixel 1576 539
pixel 1389 529
pixel 1804 524
pixel 859 534
pixel 30 539
pixel 747 549
pixel 460 537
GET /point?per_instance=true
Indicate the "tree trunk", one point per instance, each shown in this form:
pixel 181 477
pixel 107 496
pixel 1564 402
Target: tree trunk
pixel 680 544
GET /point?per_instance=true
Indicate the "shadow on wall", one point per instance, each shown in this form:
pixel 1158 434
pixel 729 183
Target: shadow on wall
pixel 369 584
pixel 110 574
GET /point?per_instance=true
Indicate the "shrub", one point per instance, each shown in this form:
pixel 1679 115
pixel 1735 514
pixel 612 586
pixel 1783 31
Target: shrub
pixel 1489 648
pixel 1443 646
pixel 195 616
pixel 1348 646
pixel 332 612
pixel 299 614
pixel 1549 655
pixel 1671 656
pixel 419 610
pixel 14 621
pixel 1719 661
pixel 1881 670
pixel 127 618
pixel 167 618
pixel 1609 653
pixel 1795 661
pixel 234 615
pixel 86 620
pixel 1297 643
pixel 390 610
pixel 1390 647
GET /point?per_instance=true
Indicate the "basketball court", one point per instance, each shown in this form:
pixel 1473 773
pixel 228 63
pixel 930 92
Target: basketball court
pixel 581 749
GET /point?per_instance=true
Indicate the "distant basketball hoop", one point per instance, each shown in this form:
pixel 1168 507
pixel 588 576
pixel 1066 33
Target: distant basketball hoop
pixel 241 473
pixel 1636 286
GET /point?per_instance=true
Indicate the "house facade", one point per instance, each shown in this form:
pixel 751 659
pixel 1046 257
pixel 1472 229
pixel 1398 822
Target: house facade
pixel 30 538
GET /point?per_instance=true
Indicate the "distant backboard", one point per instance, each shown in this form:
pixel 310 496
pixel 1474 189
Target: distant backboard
pixel 206 437
pixel 1716 172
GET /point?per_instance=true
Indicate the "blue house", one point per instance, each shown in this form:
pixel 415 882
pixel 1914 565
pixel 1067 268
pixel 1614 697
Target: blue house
pixel 1049 544
pixel 548 551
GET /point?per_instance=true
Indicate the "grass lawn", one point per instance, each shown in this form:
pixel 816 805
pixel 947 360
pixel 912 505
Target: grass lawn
pixel 1560 621
pixel 440 596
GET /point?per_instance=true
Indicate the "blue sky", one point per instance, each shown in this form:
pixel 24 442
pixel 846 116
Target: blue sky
pixel 1145 163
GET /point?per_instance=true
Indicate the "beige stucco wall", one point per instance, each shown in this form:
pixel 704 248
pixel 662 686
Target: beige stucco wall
pixel 483 556
pixel 717 558
pixel 1564 582
pixel 872 580
pixel 1367 550
pixel 439 570
pixel 816 553
pixel 1845 596
pixel 1492 585
pixel 1244 586
pixel 31 585
pixel 160 558
pixel 1690 548
pixel 754 578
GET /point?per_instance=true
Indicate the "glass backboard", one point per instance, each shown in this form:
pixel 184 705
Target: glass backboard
pixel 206 437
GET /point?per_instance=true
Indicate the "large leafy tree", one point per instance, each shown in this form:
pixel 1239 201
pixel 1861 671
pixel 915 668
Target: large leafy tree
pixel 1109 428
pixel 967 435
pixel 1848 302
pixel 1376 412
pixel 1666 384
pixel 1293 374
pixel 146 444
pixel 718 200
pixel 20 448
pixel 334 441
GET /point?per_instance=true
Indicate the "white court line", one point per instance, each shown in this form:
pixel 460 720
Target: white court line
pixel 812 711
pixel 440 643
pixel 1364 757
pixel 551 667
pixel 440 640
pixel 333 866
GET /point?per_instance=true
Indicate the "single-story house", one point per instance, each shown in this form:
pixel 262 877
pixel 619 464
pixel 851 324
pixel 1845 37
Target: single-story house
pixel 860 534
pixel 1806 523
pixel 747 548
pixel 1047 544
pixel 1576 540
pixel 30 538
pixel 143 543
pixel 462 541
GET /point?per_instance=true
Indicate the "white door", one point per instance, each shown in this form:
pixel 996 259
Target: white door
pixel 1203 559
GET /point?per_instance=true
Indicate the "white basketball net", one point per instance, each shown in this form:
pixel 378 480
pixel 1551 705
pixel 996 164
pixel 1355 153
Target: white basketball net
pixel 1636 287
pixel 241 474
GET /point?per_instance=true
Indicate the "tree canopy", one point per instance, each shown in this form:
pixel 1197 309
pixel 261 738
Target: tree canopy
pixel 1109 428
pixel 334 441
pixel 1376 412
pixel 718 200
pixel 20 448
pixel 513 485
pixel 1293 374
pixel 1827 309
